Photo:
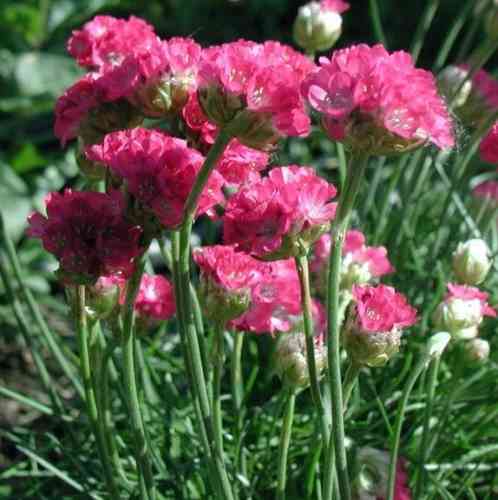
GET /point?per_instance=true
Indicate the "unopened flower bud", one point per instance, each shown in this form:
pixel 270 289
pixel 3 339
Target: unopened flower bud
pixel 477 350
pixel 315 28
pixel 437 344
pixel 103 297
pixel 471 261
pixel 290 359
pixel 450 82
pixel 457 315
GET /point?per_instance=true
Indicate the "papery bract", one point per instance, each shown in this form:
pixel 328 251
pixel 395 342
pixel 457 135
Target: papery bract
pixel 276 216
pixel 159 170
pixel 88 234
pixel 364 100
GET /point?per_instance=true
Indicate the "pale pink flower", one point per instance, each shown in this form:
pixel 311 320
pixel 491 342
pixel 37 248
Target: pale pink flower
pixel 470 293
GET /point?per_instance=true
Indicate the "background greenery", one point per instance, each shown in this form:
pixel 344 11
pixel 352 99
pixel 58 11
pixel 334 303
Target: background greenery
pixel 42 457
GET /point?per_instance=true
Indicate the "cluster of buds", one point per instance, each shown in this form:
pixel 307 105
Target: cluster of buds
pixel 377 315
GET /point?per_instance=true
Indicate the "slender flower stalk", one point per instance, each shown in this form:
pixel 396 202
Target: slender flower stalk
pixel 284 443
pixel 339 228
pixel 218 361
pixel 90 397
pixel 128 347
pixel 304 279
pixel 350 379
pixel 185 302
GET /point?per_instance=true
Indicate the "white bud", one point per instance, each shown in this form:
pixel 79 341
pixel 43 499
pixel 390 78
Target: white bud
pixel 471 261
pixel 315 28
pixel 477 350
pixel 437 344
pixel 458 316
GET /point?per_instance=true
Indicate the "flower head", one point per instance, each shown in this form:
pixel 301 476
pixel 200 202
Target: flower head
pixel 488 149
pixel 360 263
pixel 318 25
pixel 463 310
pixel 155 299
pixel 487 192
pixel 254 90
pixel 471 261
pixel 364 100
pixel 377 316
pixel 88 234
pixel 276 216
pixel 159 171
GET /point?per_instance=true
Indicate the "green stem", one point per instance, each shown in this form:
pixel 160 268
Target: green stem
pixel 90 398
pixel 377 22
pixel 186 314
pixel 35 311
pixel 338 233
pixel 285 437
pixel 128 348
pixel 399 422
pixel 218 361
pixel 423 27
pixel 424 445
pixel 350 379
pixel 304 280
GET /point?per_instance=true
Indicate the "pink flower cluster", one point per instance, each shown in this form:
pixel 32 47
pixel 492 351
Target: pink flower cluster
pixel 267 217
pixel 469 294
pixel 355 252
pixel 260 78
pixel 159 171
pixel 381 309
pixel 127 61
pixel 364 86
pixel 88 233
pixel 488 148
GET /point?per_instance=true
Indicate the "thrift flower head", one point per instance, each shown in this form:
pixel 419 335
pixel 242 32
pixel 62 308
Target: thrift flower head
pixel 463 310
pixel 159 171
pixel 360 263
pixel 275 217
pixel 318 25
pixel 290 359
pixel 253 89
pixel 155 299
pixel 88 234
pixel 471 261
pixel 377 316
pixel 227 279
pixel 364 100
pixel 488 149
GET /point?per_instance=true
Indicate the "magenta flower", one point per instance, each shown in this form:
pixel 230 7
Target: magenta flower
pixel 159 171
pixel 272 218
pixel 381 309
pixel 338 6
pixel 488 149
pixel 88 234
pixel 485 88
pixel 255 88
pixel 360 263
pixel 487 191
pixel 155 299
pixel 363 98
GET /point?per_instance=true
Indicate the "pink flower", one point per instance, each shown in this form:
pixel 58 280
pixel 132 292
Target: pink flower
pixel 159 171
pixel 227 268
pixel 108 40
pixel 360 260
pixel 470 293
pixel 381 309
pixel 198 122
pixel 487 190
pixel 363 96
pixel 338 6
pixel 486 88
pixel 88 234
pixel 266 217
pixel 262 79
pixel 155 299
pixel 488 148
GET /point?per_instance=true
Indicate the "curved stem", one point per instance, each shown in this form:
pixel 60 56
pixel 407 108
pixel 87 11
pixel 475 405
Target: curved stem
pixel 399 423
pixel 339 228
pixel 424 445
pixel 304 280
pixel 186 313
pixel 128 347
pixel 90 398
pixel 283 450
